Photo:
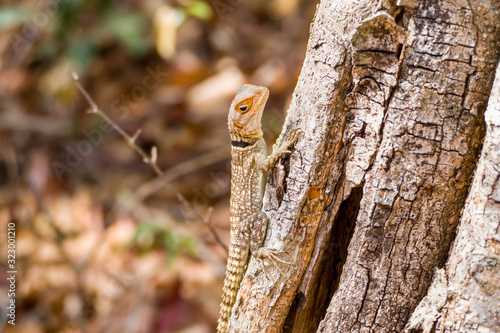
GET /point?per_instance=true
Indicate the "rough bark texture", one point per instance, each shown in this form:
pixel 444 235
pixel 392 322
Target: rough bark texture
pixel 465 295
pixel 391 101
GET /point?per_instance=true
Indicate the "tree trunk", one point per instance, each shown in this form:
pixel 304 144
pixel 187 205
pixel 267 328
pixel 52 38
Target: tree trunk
pixel 465 294
pixel 391 103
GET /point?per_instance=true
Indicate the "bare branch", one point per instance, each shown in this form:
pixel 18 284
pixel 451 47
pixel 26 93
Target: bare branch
pixel 150 161
pixel 179 170
pixel 154 154
pixel 207 220
pixel 136 135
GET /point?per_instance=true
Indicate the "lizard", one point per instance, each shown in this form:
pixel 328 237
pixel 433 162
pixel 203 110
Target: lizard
pixel 249 164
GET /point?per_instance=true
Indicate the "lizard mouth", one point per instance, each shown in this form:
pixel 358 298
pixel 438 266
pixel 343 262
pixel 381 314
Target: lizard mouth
pixel 238 126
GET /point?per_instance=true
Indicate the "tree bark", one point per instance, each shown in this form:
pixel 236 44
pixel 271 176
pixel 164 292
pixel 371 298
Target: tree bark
pixel 465 295
pixel 391 103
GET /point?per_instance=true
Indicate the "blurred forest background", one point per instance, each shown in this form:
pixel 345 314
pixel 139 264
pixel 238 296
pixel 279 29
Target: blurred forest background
pixel 102 243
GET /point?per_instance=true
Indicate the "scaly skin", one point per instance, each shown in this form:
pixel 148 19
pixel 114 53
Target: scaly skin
pixel 248 224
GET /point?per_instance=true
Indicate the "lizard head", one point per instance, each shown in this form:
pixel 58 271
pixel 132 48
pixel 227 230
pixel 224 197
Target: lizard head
pixel 246 111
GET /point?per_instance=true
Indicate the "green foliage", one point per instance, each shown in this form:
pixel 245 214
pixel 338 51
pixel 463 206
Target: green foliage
pixel 151 236
pixel 81 51
pixel 11 16
pixel 129 28
pixel 76 30
pixel 67 17
pixel 199 9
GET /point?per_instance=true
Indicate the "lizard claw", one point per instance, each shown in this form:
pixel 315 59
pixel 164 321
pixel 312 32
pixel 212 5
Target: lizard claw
pixel 271 255
pixel 294 135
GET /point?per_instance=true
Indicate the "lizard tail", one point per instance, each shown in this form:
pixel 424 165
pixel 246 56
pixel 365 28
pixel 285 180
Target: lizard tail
pixel 236 265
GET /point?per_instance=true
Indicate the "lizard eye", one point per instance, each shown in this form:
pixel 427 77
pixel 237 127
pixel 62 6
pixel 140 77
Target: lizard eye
pixel 244 106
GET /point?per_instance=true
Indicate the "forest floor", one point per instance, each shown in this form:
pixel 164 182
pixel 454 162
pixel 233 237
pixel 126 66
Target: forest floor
pixel 101 243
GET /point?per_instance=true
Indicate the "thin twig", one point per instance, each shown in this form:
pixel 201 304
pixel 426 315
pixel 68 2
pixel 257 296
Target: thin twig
pixel 207 219
pixel 136 135
pixel 179 170
pixel 151 161
pixel 170 175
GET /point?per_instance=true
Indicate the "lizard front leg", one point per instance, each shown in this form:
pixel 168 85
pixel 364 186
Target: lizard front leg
pixel 280 151
pixel 260 229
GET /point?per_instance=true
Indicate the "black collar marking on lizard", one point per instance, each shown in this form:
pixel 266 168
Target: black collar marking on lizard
pixel 241 144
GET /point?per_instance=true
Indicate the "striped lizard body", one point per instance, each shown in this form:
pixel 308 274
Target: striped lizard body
pixel 249 163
